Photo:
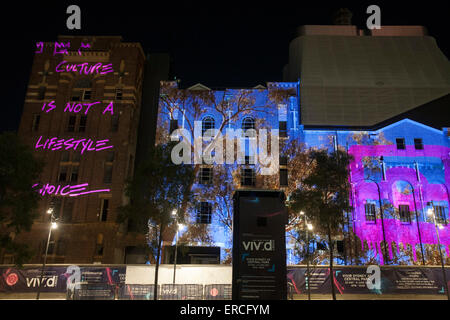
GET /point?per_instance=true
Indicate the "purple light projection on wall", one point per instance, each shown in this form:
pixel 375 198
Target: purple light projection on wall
pixel 63 46
pixel 86 144
pixel 403 185
pixel 77 107
pixel 84 68
pixel 68 190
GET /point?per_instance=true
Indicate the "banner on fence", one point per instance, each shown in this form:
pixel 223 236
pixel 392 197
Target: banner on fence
pixel 354 280
pixel 100 282
pixel 137 292
pixel 55 278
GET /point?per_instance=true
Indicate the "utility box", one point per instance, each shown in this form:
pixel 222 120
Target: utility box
pixel 259 245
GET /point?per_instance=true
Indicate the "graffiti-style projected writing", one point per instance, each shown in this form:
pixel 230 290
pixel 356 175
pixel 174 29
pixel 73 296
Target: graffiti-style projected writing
pixel 84 144
pixel 68 190
pixel 85 68
pixel 61 48
pixel 77 107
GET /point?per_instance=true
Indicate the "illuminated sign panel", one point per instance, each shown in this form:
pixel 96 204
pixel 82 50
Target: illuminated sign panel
pixel 259 245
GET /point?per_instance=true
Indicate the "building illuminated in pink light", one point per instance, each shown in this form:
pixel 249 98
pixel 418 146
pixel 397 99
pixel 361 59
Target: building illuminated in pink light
pixel 404 167
pixel 400 163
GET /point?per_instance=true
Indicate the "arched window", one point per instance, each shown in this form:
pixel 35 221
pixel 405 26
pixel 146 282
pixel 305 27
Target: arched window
pixel 403 199
pixel 248 123
pixel 248 127
pixel 207 123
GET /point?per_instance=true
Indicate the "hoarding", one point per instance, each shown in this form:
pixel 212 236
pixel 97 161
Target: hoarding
pixel 55 278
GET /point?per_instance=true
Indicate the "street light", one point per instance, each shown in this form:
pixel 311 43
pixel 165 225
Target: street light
pixel 308 227
pixel 179 227
pixel 432 213
pixel 53 225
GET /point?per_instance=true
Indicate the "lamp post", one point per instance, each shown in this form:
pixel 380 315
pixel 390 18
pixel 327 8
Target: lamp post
pixel 179 226
pixel 432 213
pixel 174 213
pixel 53 225
pixel 308 227
pixel 385 253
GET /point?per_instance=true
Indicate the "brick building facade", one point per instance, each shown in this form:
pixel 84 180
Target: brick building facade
pixel 87 230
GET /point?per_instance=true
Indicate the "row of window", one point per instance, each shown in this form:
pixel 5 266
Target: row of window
pixel 64 209
pixel 59 247
pixel 248 176
pixel 418 143
pixel 405 214
pixel 69 173
pixel 247 123
pixel 86 94
pixel 75 157
pixel 68 170
pixel 77 123
pixel 79 94
pixel 204 215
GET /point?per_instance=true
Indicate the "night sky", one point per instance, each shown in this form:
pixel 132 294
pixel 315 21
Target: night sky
pixel 217 43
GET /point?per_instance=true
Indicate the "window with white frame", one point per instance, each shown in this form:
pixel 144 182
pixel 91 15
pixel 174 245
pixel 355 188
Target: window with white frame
pixel 207 123
pixel 204 213
pixel 205 176
pixel 370 211
pixel 440 215
pixel 248 123
pixel 248 177
pixel 405 215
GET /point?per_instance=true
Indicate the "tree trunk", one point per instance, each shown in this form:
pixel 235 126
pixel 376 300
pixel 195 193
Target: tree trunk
pixel 183 208
pixel 184 203
pixel 331 245
pixel 158 254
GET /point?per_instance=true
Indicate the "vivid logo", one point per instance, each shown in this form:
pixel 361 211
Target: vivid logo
pixel 11 279
pixel 46 281
pixel 259 245
pixel 169 291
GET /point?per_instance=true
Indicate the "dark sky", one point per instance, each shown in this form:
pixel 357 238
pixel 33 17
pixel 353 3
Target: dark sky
pixel 217 43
